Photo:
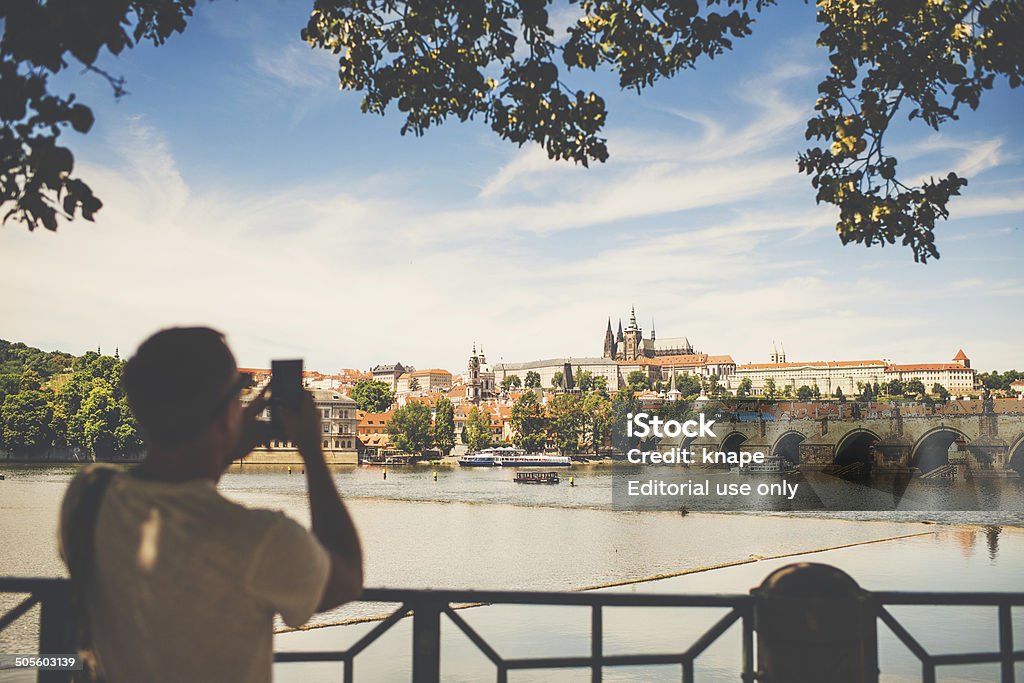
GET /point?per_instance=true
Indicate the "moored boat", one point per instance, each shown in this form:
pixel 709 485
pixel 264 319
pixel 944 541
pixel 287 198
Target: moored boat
pixel 773 464
pixel 509 456
pixel 481 459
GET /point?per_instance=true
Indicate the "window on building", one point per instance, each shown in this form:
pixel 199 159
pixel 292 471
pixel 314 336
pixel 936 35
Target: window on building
pixel 326 443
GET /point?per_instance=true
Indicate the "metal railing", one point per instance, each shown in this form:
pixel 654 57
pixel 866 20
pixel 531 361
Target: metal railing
pixel 762 615
pixel 427 606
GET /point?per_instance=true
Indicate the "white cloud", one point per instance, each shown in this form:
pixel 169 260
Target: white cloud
pixel 385 271
pixel 298 65
pixel 676 171
pixel 939 153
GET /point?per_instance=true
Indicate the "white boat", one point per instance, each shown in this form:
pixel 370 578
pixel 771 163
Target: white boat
pixel 510 456
pixel 773 464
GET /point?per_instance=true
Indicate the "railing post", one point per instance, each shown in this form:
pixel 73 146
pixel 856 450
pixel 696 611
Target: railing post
pixel 1006 643
pixel 56 628
pixel 426 641
pixel 814 623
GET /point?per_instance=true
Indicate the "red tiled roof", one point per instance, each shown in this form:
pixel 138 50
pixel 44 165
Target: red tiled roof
pixel 961 355
pixel 812 364
pixel 692 360
pixel 364 418
pixel 919 367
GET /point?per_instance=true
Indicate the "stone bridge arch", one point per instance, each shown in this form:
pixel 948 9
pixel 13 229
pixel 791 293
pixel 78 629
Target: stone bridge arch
pixel 787 446
pixel 732 441
pixel 931 450
pixel 1015 456
pixel 856 445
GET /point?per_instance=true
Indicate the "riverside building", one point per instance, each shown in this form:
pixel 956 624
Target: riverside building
pixel 338 432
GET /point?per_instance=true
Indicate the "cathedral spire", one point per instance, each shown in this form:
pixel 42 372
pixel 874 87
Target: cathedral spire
pixel 619 337
pixel 609 341
pixel 652 329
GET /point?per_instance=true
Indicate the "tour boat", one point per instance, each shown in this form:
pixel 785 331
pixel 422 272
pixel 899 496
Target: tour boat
pixel 478 460
pixel 509 456
pixel 536 478
pixel 535 460
pixel 773 464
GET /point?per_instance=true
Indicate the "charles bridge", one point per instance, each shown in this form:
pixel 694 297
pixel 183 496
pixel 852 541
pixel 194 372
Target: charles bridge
pixel 983 440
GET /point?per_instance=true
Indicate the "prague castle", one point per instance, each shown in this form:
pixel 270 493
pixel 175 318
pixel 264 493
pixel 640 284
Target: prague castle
pixel 631 345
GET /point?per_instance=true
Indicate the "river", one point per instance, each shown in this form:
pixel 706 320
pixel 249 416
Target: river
pixel 477 529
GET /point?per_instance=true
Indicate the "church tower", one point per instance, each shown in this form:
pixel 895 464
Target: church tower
pixel 633 338
pixel 609 341
pixel 473 378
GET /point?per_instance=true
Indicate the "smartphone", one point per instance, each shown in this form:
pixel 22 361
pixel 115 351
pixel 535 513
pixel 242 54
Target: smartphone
pixel 285 387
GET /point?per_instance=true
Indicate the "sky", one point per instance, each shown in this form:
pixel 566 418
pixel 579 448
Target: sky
pixel 243 190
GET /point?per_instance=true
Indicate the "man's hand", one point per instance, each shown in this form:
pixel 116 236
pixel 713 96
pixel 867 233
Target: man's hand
pixel 302 425
pixel 254 432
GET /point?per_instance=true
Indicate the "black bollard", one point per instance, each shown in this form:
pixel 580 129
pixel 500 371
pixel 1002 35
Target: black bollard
pixel 814 623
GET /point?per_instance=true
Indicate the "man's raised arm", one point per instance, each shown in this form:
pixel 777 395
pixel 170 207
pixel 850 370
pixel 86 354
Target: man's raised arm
pixel 332 524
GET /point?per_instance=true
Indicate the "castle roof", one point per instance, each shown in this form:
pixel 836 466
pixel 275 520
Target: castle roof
pixel 530 365
pixel 682 360
pixel 918 367
pixel 813 364
pixel 670 343
pixel 960 355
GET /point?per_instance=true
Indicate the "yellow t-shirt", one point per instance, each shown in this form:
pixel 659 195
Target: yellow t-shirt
pixel 187 582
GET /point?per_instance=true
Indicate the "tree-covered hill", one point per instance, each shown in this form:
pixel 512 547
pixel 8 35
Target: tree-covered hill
pixel 55 400
pixel 16 358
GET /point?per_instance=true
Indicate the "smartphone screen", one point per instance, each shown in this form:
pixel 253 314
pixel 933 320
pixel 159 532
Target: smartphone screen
pixel 285 383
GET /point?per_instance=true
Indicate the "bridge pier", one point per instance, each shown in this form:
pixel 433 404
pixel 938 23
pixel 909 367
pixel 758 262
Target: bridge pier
pixel 989 458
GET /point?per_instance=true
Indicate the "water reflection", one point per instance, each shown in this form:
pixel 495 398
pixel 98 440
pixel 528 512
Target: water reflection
pixel 992 539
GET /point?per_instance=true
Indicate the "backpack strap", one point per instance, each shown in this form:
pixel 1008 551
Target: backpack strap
pixel 78 527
